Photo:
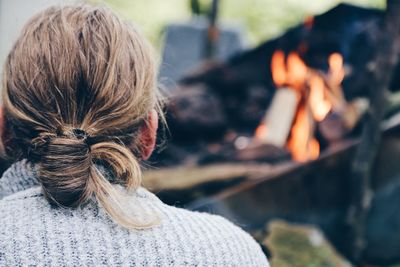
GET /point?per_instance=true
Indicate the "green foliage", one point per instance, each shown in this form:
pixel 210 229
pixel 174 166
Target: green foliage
pixel 268 18
pixel 150 15
pixel 294 245
pixel 263 19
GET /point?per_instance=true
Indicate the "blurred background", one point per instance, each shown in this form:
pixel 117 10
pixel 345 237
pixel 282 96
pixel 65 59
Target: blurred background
pixel 283 116
pixel 262 19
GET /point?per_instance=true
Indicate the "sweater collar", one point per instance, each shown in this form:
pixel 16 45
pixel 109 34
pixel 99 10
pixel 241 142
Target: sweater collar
pixel 21 176
pixel 18 177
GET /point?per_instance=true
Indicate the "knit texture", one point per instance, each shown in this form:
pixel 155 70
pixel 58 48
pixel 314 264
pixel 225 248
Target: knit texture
pixel 33 233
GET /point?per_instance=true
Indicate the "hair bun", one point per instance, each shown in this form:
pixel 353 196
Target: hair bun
pixel 39 145
pixel 65 164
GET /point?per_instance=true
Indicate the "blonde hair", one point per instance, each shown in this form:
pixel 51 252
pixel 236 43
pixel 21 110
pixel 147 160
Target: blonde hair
pixel 78 85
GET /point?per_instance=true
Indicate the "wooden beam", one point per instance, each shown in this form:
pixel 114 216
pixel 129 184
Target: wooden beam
pixel 185 178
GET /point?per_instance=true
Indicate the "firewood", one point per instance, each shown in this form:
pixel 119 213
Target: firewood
pixel 339 123
pixel 279 117
pixel 256 151
pixel 311 123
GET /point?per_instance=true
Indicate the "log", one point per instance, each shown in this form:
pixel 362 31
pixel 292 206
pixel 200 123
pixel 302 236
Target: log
pixel 182 185
pixel 183 178
pixel 279 117
pixel 262 152
pixel 340 123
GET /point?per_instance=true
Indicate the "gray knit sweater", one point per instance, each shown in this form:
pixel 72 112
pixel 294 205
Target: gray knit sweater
pixel 32 233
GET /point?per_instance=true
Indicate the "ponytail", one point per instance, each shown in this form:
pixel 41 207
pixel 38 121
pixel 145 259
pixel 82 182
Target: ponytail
pixel 70 174
pixel 127 170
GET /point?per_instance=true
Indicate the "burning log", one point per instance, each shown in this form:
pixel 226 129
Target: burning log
pixel 256 152
pixel 306 99
pixel 277 123
pixel 340 123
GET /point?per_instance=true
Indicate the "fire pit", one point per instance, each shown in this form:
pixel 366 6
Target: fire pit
pixel 272 132
pixel 314 69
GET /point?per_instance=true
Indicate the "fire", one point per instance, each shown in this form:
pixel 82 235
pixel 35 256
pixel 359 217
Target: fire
pixel 261 130
pixel 320 106
pixel 279 66
pixel 309 22
pixel 292 73
pixel 316 101
pixel 336 69
pixel 302 145
pixel 296 71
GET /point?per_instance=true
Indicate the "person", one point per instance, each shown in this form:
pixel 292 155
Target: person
pixel 80 114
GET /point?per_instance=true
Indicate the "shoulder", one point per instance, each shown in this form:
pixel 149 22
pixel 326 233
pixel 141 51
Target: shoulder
pixel 227 243
pixel 18 214
pixel 29 199
pixel 184 237
pixel 20 208
pixel 30 195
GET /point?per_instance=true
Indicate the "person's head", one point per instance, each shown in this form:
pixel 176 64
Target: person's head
pixel 80 92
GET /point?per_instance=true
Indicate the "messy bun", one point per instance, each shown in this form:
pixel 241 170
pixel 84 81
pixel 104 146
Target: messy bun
pixel 78 85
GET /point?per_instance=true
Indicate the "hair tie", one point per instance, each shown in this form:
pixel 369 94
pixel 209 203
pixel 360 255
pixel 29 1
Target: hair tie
pixel 80 134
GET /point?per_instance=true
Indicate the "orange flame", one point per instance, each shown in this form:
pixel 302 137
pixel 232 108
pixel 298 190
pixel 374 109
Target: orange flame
pixel 261 131
pixel 336 69
pixel 320 107
pixel 296 70
pixel 313 149
pixel 278 67
pixel 309 22
pixel 294 73
pixel 301 144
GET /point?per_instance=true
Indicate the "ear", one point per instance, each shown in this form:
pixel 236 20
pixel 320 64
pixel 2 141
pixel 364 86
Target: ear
pixel 148 135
